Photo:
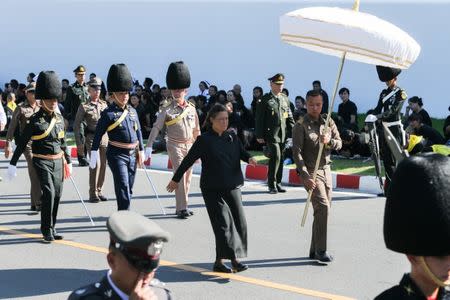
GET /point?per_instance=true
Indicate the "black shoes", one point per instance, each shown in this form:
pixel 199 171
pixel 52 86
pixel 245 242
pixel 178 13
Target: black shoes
pixel 221 268
pixel 102 198
pixel 183 214
pixel 273 190
pixel 35 208
pixel 48 238
pixel 56 236
pixel 280 189
pixel 239 267
pixel 323 257
pixel 82 162
pixel 94 199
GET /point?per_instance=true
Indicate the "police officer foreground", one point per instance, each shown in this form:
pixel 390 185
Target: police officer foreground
pixel 51 158
pixel 417 224
pixel 125 147
pixel 274 123
pixel 134 251
pixel 308 132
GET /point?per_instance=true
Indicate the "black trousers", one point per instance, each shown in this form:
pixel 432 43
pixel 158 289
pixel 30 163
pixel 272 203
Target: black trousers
pixel 275 172
pixel 386 153
pixel 228 222
pixel 50 174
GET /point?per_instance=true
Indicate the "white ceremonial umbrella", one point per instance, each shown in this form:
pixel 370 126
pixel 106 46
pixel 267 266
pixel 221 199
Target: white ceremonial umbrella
pixel 348 34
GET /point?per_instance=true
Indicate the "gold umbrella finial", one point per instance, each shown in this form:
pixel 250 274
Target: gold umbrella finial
pixel 356 5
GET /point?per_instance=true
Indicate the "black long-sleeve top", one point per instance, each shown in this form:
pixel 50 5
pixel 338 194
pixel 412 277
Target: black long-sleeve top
pixel 53 143
pixel 220 155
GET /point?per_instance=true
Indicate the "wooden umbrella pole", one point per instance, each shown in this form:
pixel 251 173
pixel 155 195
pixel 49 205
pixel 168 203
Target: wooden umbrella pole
pixel 319 155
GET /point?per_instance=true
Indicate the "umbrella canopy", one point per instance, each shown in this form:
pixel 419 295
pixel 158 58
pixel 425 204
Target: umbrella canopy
pixel 363 37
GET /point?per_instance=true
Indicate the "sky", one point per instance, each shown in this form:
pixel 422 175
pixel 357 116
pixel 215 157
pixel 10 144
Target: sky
pixel 222 42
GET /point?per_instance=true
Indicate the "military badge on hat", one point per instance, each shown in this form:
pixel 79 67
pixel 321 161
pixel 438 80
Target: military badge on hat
pixel 95 82
pixel 178 76
pixel 80 70
pixel 277 78
pixel 31 87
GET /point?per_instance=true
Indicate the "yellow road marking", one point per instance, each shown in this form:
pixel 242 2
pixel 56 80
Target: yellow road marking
pixel 254 281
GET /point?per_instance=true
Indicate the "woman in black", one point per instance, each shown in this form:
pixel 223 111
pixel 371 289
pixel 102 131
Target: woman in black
pixel 220 182
pixel 416 105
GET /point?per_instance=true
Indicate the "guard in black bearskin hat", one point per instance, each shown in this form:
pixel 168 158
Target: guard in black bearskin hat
pixel 388 110
pixel 51 158
pixel 125 147
pixel 417 223
pixel 180 119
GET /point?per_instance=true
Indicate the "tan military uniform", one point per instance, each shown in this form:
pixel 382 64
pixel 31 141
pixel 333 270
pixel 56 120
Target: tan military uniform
pixel 20 117
pixel 182 128
pixel 90 113
pixel 305 147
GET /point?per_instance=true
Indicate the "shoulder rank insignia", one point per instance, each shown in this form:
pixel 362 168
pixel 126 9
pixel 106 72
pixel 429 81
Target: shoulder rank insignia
pixel 403 95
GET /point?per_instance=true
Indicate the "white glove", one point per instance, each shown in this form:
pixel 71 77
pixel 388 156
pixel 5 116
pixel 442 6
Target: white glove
pixel 12 172
pixel 148 152
pixel 70 168
pixel 94 159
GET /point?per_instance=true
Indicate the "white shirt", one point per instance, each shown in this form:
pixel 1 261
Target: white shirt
pixel 121 294
pixel 2 115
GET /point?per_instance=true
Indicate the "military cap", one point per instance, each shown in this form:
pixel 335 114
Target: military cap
pixel 387 73
pixel 277 78
pixel 48 86
pixel 80 69
pixel 119 79
pixel 31 87
pixel 417 210
pixel 178 76
pixel 95 82
pixel 32 75
pixel 139 239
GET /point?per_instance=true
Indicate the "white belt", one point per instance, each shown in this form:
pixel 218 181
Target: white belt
pixel 389 124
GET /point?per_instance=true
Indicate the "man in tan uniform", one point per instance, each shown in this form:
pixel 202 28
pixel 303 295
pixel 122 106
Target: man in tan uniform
pixel 182 127
pixel 89 113
pixel 20 118
pixel 307 133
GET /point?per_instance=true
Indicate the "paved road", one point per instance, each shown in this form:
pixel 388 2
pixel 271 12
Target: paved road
pixel 278 246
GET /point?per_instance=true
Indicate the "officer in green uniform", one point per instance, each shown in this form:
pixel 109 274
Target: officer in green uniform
pixel 77 94
pixel 417 224
pixel 134 250
pixel 274 123
pixel 51 158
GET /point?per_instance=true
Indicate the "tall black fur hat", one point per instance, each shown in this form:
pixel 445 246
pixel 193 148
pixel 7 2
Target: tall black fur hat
pixel 417 211
pixel 387 73
pixel 178 76
pixel 48 86
pixel 119 79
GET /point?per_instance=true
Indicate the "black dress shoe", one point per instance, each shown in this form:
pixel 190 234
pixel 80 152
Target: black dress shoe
pixel 183 214
pixel 38 208
pixel 82 162
pixel 312 255
pixel 273 191
pixel 94 199
pixel 48 238
pixel 57 236
pixel 280 189
pixel 239 267
pixel 33 208
pixel 323 257
pixel 190 212
pixel 102 198
pixel 219 267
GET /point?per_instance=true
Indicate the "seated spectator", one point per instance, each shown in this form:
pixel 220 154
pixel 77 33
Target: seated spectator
pixel 418 144
pixel 446 128
pixel 10 107
pixel 200 106
pixel 347 111
pixel 352 146
pixel 140 109
pixel 20 95
pixel 212 97
pixel 415 105
pixel 30 77
pixel 429 133
pixel 64 86
pixel 204 89
pixel 221 96
pixel 291 105
pixel 317 86
pixel 3 119
pixel 300 108
pixel 238 95
pixel 285 91
pixel 257 94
